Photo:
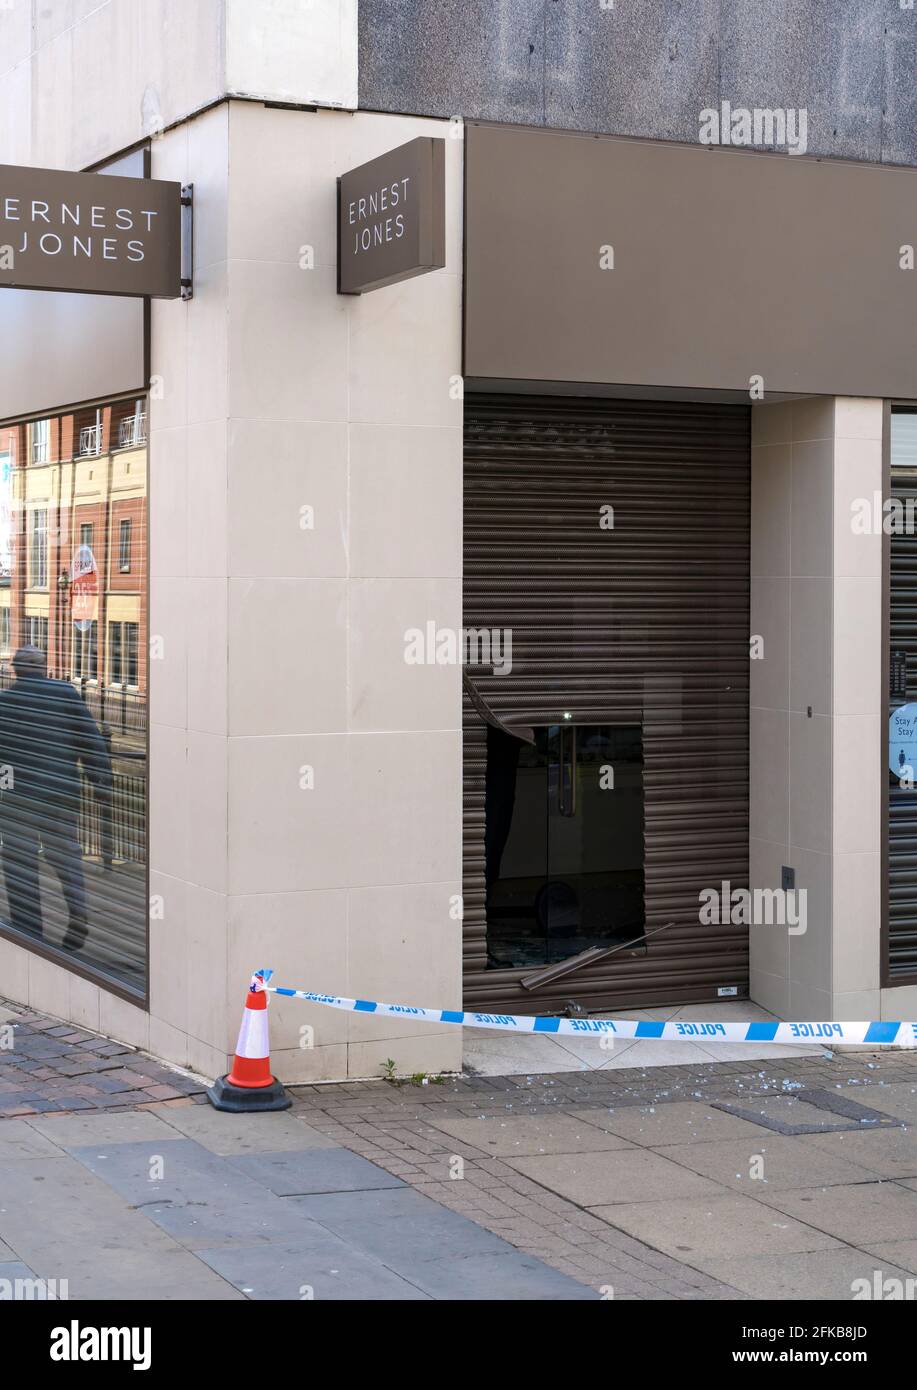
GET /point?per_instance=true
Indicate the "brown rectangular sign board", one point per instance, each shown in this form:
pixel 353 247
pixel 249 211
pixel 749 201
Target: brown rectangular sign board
pixel 89 233
pixel 607 260
pixel 392 217
pixel 69 348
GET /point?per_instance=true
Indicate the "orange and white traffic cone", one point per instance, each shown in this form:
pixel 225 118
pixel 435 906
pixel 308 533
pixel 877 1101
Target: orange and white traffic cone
pixel 250 1085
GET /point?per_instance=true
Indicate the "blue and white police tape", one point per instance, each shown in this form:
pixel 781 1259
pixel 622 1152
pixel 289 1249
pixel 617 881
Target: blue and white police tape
pixel 875 1034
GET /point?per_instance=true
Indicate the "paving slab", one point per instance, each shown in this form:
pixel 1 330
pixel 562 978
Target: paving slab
pixel 199 1199
pixel 587 1047
pixel 618 1175
pixel 771 1162
pixel 66 1224
pixel 505 1278
pixel 675 1122
pixel 700 1230
pixel 653 1052
pixel 860 1215
pixel 757 1052
pixel 400 1227
pixel 224 1133
pixel 498 1056
pixel 888 1153
pixel 292 1174
pixel 530 1134
pixel 439 1250
pixel 19 1139
pixel 97 1127
pixel 899 1253
pixel 326 1268
pixel 786 1113
pixel 894 1098
pixel 814 1274
pixel 10 1270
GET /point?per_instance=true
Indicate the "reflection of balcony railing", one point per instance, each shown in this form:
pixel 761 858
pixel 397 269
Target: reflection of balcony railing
pixel 132 431
pixel 123 710
pixel 90 440
pixel 112 825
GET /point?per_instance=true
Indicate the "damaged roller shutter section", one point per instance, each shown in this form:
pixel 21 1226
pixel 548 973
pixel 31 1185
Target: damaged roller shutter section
pixel 630 661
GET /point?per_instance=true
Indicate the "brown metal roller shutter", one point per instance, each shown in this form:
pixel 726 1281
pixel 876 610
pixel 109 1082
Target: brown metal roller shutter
pixel 647 624
pixel 902 805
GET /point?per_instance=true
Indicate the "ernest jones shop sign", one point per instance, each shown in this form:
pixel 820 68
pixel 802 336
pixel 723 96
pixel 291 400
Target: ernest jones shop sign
pixel 90 233
pixel 392 217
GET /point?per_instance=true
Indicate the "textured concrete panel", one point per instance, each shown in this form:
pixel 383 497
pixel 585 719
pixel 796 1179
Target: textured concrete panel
pixel 649 67
pixel 810 54
pixel 899 122
pixel 641 69
pixel 455 58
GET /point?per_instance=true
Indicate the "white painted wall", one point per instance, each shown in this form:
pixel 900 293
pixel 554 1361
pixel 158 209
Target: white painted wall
pixel 302 51
pixel 81 80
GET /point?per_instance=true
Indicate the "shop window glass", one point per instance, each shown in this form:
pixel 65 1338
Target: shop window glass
pixel 73 833
pixel 563 842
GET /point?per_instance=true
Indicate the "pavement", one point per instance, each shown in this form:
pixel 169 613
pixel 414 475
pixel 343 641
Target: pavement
pixel 776 1179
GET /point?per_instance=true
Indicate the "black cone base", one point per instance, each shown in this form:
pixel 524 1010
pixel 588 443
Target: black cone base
pixel 238 1099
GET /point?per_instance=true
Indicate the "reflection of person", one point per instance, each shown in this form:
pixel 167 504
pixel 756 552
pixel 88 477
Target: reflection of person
pixel 46 734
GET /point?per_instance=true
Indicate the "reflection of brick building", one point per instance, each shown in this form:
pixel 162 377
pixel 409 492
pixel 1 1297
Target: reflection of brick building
pixel 73 544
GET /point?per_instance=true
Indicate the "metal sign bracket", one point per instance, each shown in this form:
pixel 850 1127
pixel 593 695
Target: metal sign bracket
pixel 187 241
